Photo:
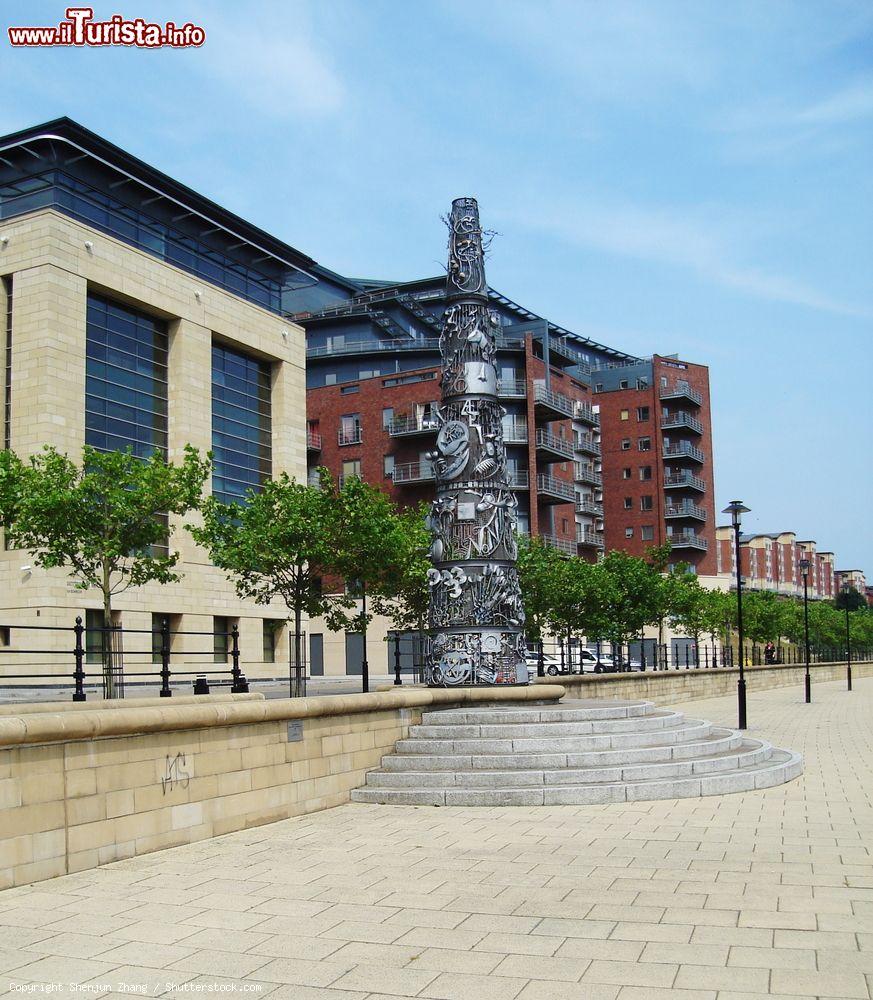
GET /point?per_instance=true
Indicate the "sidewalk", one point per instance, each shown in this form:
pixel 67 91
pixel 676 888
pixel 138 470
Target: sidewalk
pixel 766 893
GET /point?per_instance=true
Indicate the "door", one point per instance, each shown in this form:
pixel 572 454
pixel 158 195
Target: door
pixel 316 655
pixel 354 653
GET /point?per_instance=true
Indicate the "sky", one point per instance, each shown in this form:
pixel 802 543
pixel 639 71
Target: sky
pixel 664 177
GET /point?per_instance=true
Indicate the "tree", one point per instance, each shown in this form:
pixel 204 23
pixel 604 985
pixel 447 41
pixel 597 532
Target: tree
pixel 281 543
pixel 633 591
pixel 11 482
pixel 763 616
pixel 540 577
pixel 851 598
pixel 104 521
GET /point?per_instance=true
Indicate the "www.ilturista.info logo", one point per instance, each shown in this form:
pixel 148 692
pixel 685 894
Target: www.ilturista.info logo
pixel 80 29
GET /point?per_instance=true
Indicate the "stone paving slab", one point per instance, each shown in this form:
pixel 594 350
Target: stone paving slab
pixel 739 897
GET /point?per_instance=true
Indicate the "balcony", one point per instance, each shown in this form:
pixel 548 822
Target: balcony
pixel 551 490
pixel 413 472
pixel 563 349
pixel 584 505
pixel 684 481
pixel 686 509
pixel 682 390
pixel 518 479
pixel 587 445
pixel 552 448
pixel 688 540
pixel 373 346
pixel 313 441
pixel 682 420
pixel 515 431
pixel 561 544
pixel 349 435
pixel 588 536
pixel 411 425
pixel 552 405
pixel 509 388
pixel 585 413
pixel 684 452
pixel 584 473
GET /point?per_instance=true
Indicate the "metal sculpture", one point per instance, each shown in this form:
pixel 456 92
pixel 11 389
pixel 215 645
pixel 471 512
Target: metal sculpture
pixel 476 614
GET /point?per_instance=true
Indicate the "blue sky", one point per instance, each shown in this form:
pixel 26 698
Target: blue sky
pixel 664 176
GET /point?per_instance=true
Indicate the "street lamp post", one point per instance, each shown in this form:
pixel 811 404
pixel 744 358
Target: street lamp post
pixel 736 509
pixel 804 570
pixel 846 592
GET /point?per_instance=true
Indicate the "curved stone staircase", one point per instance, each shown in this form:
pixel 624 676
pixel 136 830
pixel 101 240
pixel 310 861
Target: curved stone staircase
pixel 570 753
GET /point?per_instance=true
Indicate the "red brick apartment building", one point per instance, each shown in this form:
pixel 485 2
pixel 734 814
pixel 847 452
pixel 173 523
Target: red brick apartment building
pixel 771 561
pixel 658 477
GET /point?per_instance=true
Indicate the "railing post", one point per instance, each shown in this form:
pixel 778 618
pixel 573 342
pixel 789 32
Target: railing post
pixel 165 658
pixel 79 654
pixel 397 679
pixel 240 685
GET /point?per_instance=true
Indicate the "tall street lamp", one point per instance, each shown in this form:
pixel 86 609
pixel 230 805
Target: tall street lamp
pixel 736 510
pixel 846 591
pixel 804 570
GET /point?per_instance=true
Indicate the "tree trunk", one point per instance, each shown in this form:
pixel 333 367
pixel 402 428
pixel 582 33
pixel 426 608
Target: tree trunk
pixel 106 644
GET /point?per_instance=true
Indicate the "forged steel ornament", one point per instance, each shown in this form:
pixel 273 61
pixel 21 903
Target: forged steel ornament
pixel 476 615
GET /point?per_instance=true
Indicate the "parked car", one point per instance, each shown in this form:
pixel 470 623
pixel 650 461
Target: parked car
pixel 551 664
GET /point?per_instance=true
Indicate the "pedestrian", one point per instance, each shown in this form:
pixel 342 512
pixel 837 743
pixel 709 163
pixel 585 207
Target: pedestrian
pixel 770 653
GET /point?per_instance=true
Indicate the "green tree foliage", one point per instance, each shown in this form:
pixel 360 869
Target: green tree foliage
pixel 280 544
pixel 633 595
pixel 404 595
pixel 852 599
pixel 540 568
pixel 105 521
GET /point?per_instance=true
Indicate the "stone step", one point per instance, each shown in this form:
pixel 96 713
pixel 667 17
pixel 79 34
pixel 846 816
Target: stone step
pixel 717 741
pixel 574 710
pixel 749 752
pixel 682 731
pixel 779 767
pixel 659 719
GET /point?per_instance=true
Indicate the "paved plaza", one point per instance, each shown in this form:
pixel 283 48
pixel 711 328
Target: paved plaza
pixel 765 893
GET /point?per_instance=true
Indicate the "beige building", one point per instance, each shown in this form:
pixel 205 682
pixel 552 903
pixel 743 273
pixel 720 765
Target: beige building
pixel 138 313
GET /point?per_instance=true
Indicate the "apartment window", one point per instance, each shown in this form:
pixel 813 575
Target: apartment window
pixel 598 387
pixel 347 390
pixel 646 503
pixel 642 414
pixel 645 444
pixel 663 381
pixel 625 444
pixel 628 532
pixel 647 532
pixel 351 468
pixel 628 503
pixel 642 383
pixel 388 465
pixel 350 428
pixel 625 473
pixel 271 629
pixel 623 384
pixel 220 638
pixel 645 473
pixel 125 380
pixel 93 635
pixel 624 415
pixel 565 525
pixel 241 424
pixel 387 417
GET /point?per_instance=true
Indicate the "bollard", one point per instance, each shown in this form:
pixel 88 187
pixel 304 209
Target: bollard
pixel 165 659
pixel 201 685
pixel 240 685
pixel 79 653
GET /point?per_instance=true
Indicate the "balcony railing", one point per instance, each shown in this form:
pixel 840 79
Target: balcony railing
pixel 682 390
pixel 585 412
pixel 561 544
pixel 353 435
pixel 518 479
pixel 586 506
pixel 313 441
pixel 587 445
pixel 585 474
pixel 413 472
pixel 683 451
pixel 408 424
pixel 394 344
pixel 554 401
pixel 510 388
pixel 562 348
pixel 688 540
pixel 515 431
pixel 685 510
pixel 588 536
pixel 684 480
pixel 550 486
pixel 682 419
pixel 546 441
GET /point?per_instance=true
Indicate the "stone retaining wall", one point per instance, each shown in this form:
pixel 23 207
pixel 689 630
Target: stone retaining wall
pixel 83 788
pixel 669 687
